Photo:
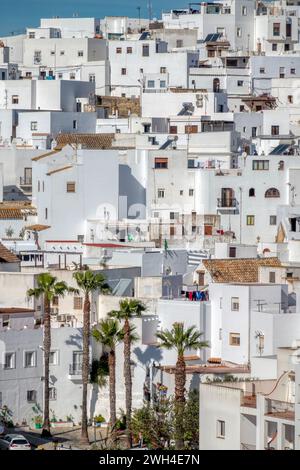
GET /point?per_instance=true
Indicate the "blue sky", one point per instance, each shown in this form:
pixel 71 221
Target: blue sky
pixel 15 15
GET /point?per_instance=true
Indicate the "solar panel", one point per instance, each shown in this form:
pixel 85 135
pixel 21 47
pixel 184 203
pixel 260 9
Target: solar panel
pixel 280 149
pixel 145 35
pixel 212 37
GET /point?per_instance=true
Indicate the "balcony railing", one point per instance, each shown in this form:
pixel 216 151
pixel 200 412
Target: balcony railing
pixel 75 369
pixel 227 202
pixel 25 181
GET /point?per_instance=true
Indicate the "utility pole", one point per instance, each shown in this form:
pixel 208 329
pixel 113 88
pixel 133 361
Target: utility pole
pixel 139 16
pixel 150 9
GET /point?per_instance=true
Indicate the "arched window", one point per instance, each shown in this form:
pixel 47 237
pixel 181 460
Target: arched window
pixel 272 192
pixel 251 192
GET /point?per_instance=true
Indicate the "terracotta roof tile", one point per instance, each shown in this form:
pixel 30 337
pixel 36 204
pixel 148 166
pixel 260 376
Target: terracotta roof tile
pixel 6 256
pixel 242 270
pixel 13 310
pixel 87 141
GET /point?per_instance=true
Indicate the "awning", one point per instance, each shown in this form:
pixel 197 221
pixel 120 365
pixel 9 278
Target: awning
pixel 37 228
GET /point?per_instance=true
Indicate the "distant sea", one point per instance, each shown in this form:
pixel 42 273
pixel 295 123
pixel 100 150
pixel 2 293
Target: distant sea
pixel 16 15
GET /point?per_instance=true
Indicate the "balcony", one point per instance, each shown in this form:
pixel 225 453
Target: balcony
pixel 26 184
pixel 227 203
pixel 75 372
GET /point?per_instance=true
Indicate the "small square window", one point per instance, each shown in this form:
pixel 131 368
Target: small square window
pixel 34 126
pixel 235 304
pixel 163 69
pixel 273 220
pixel 119 50
pixel 262 70
pixel 62 52
pixel 234 339
pixel 52 393
pixel 53 358
pixel 31 396
pixel 9 361
pixel 272 277
pixel 239 32
pixel 274 47
pixel 129 50
pixel 240 83
pixel 80 53
pixel 15 99
pixel 181 192
pixel 191 192
pixel 123 71
pixel 71 187
pixel 293 71
pixel 274 130
pixel 161 193
pixel 77 303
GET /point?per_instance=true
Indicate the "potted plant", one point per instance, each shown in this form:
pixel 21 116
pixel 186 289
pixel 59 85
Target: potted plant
pixel 38 422
pixel 98 420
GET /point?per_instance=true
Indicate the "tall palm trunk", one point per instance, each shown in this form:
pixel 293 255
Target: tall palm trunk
pixel 112 387
pixel 85 367
pixel 180 379
pixel 128 380
pixel 47 348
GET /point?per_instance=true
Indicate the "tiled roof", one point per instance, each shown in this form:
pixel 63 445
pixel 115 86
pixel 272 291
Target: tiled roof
pixel 87 141
pixel 243 270
pixel 58 170
pixel 47 154
pixel 15 210
pixel 12 310
pixel 9 213
pixel 7 256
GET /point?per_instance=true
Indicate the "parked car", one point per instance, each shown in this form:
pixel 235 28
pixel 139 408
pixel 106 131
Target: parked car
pixel 14 442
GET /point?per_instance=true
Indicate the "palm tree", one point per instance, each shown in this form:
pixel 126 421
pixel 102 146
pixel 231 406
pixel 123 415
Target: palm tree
pixel 47 288
pixel 129 308
pixel 181 340
pixel 109 334
pixel 87 282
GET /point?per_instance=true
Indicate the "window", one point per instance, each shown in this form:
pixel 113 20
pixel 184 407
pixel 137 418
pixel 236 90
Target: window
pixel 119 50
pixel 173 129
pixel 129 50
pixel 162 83
pixel 250 220
pixel 55 301
pixel 161 193
pixel 251 192
pixel 288 30
pixel 123 71
pixel 253 131
pixel 191 192
pixel 151 84
pixel 232 252
pixel 272 192
pixel 244 10
pixel 71 187
pixel 10 361
pixel 290 99
pixel 273 220
pixel 34 125
pixel 221 30
pixel 62 52
pixel 179 43
pixel 92 77
pixel 274 47
pixel 46 213
pixel 276 29
pixel 141 70
pixel 239 32
pixel 74 124
pixel 80 53
pixel 262 70
pixel 30 359
pixel 174 215
pixel 260 165
pixel 235 304
pixel 52 393
pixel 160 163
pixel 240 83
pixel 37 57
pixel 53 360
pixel 52 52
pixel 15 99
pixel 77 303
pixel 287 47
pixel 221 429
pixel 145 51
pixel 31 396
pixel 181 192
pixel 163 69
pixel 72 76
pixel 293 71
pixel 31 35
pixel 281 165
pixel 191 129
pixel 242 108
pixel 281 72
pixel 234 339
pixel 272 277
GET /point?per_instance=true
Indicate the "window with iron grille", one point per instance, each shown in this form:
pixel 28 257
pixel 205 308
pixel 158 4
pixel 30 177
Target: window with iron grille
pixel 10 361
pixel 77 303
pixel 235 304
pixel 234 339
pixel 52 393
pixel 161 163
